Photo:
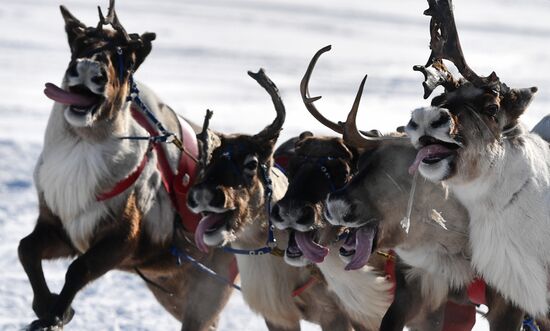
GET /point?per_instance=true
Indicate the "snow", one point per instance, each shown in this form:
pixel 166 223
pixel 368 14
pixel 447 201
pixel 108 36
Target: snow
pixel 199 60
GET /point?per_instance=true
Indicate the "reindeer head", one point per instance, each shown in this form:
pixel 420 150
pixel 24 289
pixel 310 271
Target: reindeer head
pixel 96 82
pixel 459 134
pixel 318 166
pixel 230 190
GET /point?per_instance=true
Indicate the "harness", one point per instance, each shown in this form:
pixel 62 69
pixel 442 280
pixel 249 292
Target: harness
pixel 176 184
pixel 271 243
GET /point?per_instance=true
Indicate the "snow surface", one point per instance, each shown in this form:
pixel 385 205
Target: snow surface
pixel 199 61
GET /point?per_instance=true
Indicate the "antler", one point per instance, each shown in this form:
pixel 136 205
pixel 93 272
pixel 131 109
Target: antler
pixel 203 137
pixel 112 19
pixel 272 130
pixel 445 45
pixel 436 75
pixel 308 101
pixel 352 136
pixel 444 42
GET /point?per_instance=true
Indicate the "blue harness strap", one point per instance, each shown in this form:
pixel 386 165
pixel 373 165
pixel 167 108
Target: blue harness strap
pixel 181 255
pixel 271 243
pixel 529 324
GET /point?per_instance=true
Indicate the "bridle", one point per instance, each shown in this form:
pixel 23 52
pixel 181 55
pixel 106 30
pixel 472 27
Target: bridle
pixel 271 243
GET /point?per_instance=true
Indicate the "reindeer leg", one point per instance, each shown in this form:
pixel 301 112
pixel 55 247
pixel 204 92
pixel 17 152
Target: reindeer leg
pixel 273 327
pixel 503 315
pixel 46 241
pixel 401 308
pixel 105 255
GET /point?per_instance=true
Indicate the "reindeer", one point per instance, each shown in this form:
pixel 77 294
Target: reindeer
pixel 470 139
pixel 316 166
pixel 234 193
pixel 434 252
pixel 83 212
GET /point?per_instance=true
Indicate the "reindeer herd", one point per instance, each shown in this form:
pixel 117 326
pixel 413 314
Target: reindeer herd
pixel 356 231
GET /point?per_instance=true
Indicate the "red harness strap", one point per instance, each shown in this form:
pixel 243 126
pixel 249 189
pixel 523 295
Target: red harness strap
pixel 312 280
pixel 125 183
pixel 389 268
pixel 177 185
pixel 476 291
pixel 457 317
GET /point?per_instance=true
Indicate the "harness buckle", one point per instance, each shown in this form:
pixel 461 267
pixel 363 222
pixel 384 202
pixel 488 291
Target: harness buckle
pixel 185 179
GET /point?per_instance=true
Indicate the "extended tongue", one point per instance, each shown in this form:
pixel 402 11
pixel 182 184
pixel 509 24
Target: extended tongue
pixel 364 238
pixel 205 223
pixel 311 250
pixel 68 98
pixel 425 152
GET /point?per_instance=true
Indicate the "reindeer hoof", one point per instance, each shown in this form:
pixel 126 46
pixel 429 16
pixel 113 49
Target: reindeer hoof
pixel 54 324
pixel 68 316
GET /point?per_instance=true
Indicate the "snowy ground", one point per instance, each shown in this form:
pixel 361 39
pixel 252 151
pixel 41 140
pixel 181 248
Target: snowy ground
pixel 199 60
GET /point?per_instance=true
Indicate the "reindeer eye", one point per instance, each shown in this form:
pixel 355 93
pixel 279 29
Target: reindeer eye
pixel 412 124
pixel 251 165
pixel 491 109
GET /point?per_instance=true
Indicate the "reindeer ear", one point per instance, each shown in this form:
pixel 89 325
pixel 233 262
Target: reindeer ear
pixel 516 101
pixel 266 148
pixel 145 49
pixel 305 134
pixel 73 26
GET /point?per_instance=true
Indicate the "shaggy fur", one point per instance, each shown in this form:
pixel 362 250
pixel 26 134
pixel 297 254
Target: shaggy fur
pixel 501 173
pixel 436 245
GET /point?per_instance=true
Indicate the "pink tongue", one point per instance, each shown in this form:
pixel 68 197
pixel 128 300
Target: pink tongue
pixel 67 98
pixel 311 250
pixel 205 223
pixel 363 247
pixel 424 152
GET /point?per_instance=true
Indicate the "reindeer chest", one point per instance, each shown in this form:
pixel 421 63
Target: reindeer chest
pixel 365 293
pixel 69 176
pixel 510 252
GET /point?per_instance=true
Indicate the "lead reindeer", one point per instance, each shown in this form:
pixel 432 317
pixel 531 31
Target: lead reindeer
pixel 471 140
pixel 435 250
pixel 101 197
pixel 234 193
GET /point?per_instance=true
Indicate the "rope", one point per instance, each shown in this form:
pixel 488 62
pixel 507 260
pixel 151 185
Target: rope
pixel 406 221
pixel 179 255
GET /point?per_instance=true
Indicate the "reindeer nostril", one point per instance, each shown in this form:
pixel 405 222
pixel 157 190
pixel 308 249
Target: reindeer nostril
pixel 99 79
pixel 218 199
pixel 191 202
pixel 307 217
pixel 427 140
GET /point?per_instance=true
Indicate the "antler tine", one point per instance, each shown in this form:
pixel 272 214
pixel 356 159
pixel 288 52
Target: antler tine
pixel 118 27
pixel 308 101
pixel 352 136
pixel 435 75
pixel 101 20
pixel 112 19
pixel 272 130
pixel 444 42
pixel 203 136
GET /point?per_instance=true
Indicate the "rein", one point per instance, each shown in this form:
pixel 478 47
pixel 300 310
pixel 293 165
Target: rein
pixel 168 177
